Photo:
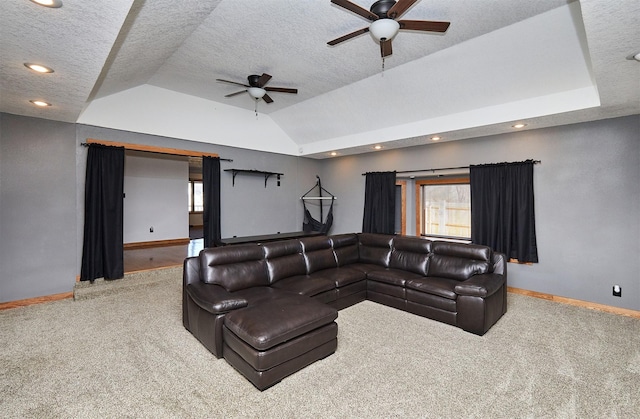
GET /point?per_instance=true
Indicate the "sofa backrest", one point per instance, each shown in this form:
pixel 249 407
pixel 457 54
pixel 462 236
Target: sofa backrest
pixel 345 248
pixel 375 248
pixel 284 259
pixel 459 261
pixel 234 267
pixel 410 254
pixel 318 253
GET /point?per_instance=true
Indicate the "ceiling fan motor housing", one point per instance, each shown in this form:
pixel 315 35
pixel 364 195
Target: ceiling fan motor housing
pixel 381 7
pixel 253 80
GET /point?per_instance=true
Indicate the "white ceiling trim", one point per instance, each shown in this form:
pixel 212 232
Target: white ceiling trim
pixel 512 112
pixel 153 110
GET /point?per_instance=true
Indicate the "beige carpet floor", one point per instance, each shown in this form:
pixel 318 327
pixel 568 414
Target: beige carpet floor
pixel 126 354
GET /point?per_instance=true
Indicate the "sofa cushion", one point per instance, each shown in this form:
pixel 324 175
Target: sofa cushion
pixel 444 287
pixel 234 267
pixel 345 247
pixel 365 268
pixel 266 325
pixel 281 248
pixel 340 276
pixel 310 244
pixel 317 260
pixel 465 251
pixel 318 253
pixel 284 259
pixel 305 285
pixel 410 254
pixel 375 248
pixel 392 276
pixel 455 267
pixel 459 261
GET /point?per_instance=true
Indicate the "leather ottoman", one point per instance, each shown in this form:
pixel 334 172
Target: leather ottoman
pixel 271 341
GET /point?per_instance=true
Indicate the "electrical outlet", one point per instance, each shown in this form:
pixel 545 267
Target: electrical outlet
pixel 617 291
pixel 151 229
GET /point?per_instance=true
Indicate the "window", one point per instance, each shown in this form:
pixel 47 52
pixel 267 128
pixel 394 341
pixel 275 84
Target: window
pixel 196 199
pixel 445 208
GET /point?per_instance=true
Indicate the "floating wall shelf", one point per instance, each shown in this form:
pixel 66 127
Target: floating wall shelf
pixel 266 175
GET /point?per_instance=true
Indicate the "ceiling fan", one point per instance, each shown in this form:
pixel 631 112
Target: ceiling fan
pixel 256 87
pixel 384 26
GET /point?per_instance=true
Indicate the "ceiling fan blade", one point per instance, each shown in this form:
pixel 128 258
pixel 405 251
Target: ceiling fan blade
pixel 236 93
pixel 424 25
pixel 281 89
pixel 267 98
pixel 400 8
pixel 345 4
pixel 348 36
pixel 385 48
pixel 233 82
pixel 264 78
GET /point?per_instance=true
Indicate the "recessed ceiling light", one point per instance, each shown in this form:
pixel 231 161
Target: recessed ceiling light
pixel 333 153
pixel 40 103
pixel 39 68
pixel 54 4
pixel 435 138
pixel 519 125
pixel 377 147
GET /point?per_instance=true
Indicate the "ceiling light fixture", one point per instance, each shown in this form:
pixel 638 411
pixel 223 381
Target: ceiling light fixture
pixel 384 29
pixel 377 147
pixel 40 103
pixel 435 138
pixel 54 4
pixel 38 68
pixel 519 125
pixel 333 153
pixel 256 92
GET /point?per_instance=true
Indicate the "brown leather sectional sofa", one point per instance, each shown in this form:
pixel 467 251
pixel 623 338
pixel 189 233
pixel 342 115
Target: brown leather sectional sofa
pixel 251 303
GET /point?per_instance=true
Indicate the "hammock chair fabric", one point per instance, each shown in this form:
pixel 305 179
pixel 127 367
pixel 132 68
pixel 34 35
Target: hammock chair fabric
pixel 310 224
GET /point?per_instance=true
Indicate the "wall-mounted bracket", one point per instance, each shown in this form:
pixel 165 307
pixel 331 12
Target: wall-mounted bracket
pixel 266 175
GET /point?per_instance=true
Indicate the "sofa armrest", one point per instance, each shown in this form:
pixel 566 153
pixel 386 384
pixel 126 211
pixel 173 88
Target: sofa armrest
pixel 483 285
pixel 214 298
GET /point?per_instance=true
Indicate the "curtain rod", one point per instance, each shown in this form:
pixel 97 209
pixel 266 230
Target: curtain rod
pixel 447 168
pixel 153 149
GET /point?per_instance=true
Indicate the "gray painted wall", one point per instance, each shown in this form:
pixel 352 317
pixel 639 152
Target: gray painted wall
pixel 587 193
pixel 156 196
pixel 37 207
pixel 587 200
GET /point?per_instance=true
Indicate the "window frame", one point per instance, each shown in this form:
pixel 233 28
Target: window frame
pixel 454 180
pixel 403 206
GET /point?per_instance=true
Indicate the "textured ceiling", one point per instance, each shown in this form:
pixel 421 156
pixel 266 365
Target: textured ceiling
pixel 500 61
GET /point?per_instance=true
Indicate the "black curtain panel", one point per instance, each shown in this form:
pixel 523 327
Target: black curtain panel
pixel 211 191
pixel 379 203
pixel 102 249
pixel 502 209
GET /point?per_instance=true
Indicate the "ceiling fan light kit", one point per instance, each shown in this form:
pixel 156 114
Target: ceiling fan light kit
pixel 256 92
pixel 384 29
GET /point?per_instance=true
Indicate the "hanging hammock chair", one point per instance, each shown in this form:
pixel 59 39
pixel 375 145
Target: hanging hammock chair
pixel 310 224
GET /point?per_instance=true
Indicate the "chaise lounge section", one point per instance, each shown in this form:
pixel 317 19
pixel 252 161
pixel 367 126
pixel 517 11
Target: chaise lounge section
pixel 269 309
